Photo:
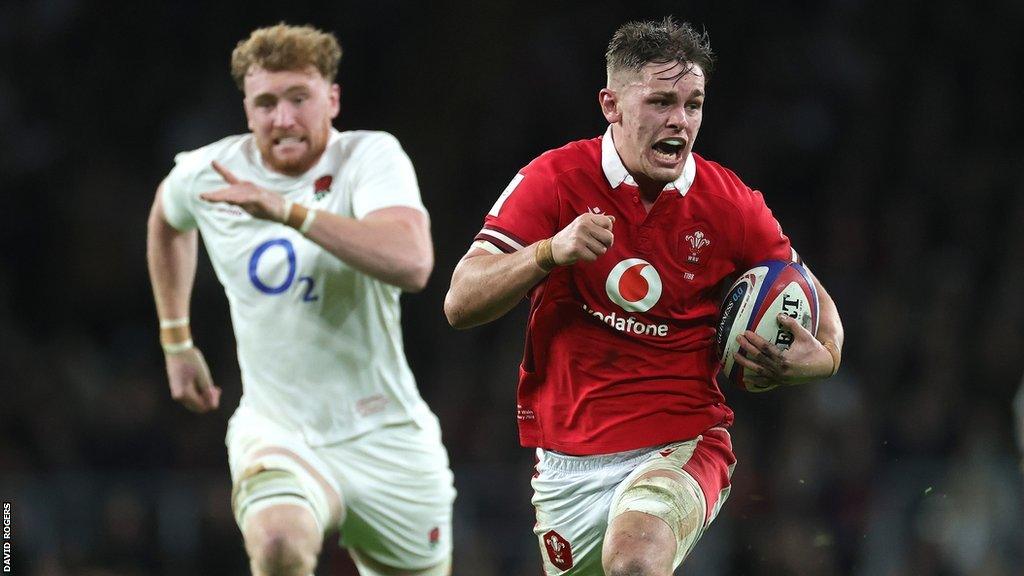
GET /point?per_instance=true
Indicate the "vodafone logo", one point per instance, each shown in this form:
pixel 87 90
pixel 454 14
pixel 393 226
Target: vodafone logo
pixel 634 285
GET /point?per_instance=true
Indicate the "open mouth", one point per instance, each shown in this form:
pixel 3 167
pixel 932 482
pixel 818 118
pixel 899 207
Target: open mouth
pixel 289 141
pixel 669 149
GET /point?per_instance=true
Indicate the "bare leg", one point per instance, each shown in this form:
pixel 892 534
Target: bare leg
pixel 638 544
pixel 282 540
pixel 643 544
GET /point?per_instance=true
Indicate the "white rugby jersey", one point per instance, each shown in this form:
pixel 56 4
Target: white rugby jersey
pixel 319 343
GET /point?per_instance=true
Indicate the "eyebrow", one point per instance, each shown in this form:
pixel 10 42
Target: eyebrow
pixel 268 97
pixel 697 93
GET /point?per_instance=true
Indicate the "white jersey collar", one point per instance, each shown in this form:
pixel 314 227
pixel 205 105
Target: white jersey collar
pixel 615 172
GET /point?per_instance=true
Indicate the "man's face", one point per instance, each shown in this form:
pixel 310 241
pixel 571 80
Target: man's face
pixel 290 114
pixel 655 116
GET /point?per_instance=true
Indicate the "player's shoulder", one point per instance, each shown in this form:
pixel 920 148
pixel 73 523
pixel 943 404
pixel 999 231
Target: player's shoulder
pixel 355 142
pixel 223 150
pixel 721 181
pixel 579 155
pixel 189 164
pixel 717 174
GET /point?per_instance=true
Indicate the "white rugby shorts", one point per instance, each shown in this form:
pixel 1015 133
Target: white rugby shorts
pixel 575 496
pixel 389 491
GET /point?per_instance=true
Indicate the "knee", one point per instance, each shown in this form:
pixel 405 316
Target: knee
pixel 277 554
pixel 626 565
pixel 638 544
pixel 281 532
pixel 282 541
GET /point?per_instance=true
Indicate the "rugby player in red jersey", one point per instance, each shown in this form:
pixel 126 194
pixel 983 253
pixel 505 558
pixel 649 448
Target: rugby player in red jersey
pixel 623 244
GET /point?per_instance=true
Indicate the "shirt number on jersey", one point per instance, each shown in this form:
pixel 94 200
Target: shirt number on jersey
pixel 307 282
pixel 505 194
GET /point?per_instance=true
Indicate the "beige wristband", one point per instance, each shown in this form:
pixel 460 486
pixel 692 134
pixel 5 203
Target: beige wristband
pixel 296 215
pixel 543 255
pixel 175 335
pixel 836 355
pixel 178 347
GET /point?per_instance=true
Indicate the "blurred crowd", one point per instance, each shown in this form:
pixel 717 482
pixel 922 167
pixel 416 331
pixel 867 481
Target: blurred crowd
pixel 886 136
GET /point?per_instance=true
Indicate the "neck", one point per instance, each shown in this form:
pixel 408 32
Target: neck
pixel 649 189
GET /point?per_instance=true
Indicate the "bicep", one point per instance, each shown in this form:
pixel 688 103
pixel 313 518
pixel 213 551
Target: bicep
pixel 158 222
pixel 156 212
pixel 818 286
pixel 384 178
pixel 470 258
pixel 174 201
pixel 763 235
pixel 526 211
pixel 830 326
pixel 411 223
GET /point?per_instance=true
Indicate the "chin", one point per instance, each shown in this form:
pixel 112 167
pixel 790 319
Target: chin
pixel 291 167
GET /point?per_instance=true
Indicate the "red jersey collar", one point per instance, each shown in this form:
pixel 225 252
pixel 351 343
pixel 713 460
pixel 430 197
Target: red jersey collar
pixel 616 174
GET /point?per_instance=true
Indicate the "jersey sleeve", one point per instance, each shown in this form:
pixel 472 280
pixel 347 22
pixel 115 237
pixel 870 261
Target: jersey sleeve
pixel 763 238
pixel 385 178
pixel 525 212
pixel 177 198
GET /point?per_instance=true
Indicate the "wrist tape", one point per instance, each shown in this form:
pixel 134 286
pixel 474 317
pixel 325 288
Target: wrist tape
pixel 298 216
pixel 543 255
pixel 175 335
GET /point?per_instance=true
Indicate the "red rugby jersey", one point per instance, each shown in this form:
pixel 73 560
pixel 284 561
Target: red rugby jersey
pixel 619 352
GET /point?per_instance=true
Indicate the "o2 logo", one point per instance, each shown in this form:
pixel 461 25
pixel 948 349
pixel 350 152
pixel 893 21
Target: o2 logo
pixel 269 287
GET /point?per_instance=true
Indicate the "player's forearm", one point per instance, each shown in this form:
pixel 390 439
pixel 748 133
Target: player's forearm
pixel 830 326
pixel 397 251
pixel 171 256
pixel 486 286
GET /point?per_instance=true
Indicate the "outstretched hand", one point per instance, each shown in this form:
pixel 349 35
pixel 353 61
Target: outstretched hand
pixel 585 238
pixel 258 202
pixel 190 381
pixel 766 365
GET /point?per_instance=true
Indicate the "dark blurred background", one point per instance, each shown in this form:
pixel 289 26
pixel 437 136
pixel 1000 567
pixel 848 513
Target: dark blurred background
pixel 885 135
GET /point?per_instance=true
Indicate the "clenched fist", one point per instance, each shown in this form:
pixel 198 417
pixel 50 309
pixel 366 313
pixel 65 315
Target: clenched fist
pixel 585 238
pixel 190 381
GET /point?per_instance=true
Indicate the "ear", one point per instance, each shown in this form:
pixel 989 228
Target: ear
pixel 248 114
pixel 334 98
pixel 609 102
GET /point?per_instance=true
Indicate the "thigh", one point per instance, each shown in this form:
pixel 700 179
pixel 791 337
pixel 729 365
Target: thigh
pixel 572 505
pixel 271 465
pixel 398 493
pixel 684 484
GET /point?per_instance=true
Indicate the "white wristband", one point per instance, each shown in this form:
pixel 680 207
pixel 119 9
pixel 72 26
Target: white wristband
pixel 286 209
pixel 174 322
pixel 308 222
pixel 178 347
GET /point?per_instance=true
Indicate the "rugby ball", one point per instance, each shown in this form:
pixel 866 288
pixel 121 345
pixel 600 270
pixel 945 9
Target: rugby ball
pixel 754 302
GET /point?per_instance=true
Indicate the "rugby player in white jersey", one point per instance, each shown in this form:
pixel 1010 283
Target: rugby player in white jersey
pixel 314 234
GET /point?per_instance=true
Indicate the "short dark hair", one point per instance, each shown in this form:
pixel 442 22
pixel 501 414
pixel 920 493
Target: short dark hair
pixel 636 44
